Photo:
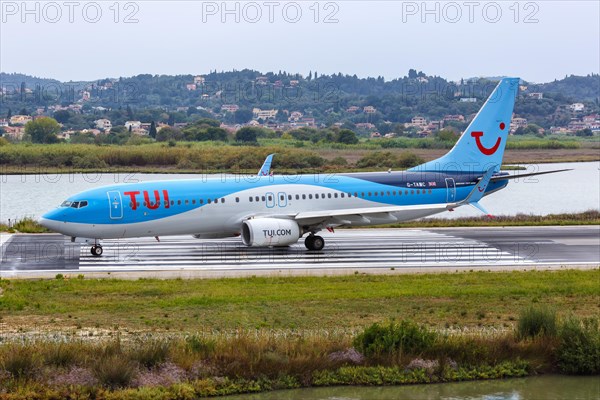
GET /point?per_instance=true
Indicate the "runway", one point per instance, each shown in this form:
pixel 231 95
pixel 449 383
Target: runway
pixel 346 251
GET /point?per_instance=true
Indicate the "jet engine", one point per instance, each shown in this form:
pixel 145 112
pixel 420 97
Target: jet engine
pixel 263 232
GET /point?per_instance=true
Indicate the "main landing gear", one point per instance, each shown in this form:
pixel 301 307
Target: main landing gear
pixel 313 242
pixel 96 250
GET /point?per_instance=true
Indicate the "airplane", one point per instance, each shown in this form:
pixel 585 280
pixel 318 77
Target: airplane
pixel 272 211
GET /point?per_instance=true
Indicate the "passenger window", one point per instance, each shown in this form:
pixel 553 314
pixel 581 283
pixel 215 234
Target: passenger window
pixel 303 197
pixel 335 195
pixel 270 198
pixel 209 201
pixel 193 201
pixel 355 194
pixel 187 202
pixel 394 192
pixel 375 194
pixel 289 196
pixel 412 192
pixel 388 193
pixel 418 191
pixel 342 194
pixel 297 197
pixel 222 199
pixel 362 194
pixel 429 191
pixel 257 198
pixel 250 199
pixel 172 202
pixel 329 195
pixel 178 202
pixel 263 198
pixel 237 199
pixel 369 193
pixel 201 201
pixel 406 191
pixel 310 196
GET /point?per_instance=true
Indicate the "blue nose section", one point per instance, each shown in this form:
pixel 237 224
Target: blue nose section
pixel 57 214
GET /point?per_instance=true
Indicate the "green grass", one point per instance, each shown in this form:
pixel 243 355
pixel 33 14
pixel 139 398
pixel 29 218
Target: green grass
pixel 478 299
pixel 227 336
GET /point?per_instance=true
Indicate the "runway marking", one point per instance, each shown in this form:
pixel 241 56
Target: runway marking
pixel 344 249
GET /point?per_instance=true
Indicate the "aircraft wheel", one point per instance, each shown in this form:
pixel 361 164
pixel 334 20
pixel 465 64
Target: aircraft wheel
pixel 318 243
pixel 308 242
pixel 96 251
pixel 313 242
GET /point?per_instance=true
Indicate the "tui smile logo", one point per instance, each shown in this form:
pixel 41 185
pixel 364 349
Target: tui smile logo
pixel 488 151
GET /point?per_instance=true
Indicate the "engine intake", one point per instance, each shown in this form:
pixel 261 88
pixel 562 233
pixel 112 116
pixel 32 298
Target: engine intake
pixel 263 232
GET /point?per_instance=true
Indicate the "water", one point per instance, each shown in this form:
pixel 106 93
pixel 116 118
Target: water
pixel 573 191
pixel 552 387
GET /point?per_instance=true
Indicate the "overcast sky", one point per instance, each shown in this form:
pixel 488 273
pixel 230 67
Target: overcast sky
pixel 83 40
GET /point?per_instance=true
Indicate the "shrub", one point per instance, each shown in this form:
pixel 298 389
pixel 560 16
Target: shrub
pixel 61 354
pixel 114 371
pixel 19 361
pixel 151 353
pixel 579 349
pixel 200 345
pixel 535 322
pixel 403 338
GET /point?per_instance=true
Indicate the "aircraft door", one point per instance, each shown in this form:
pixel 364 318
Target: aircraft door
pixel 451 190
pixel 281 199
pixel 115 204
pixel 270 199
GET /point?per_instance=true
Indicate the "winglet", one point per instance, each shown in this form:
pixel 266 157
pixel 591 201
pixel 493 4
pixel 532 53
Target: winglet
pixel 477 192
pixel 481 208
pixel 266 167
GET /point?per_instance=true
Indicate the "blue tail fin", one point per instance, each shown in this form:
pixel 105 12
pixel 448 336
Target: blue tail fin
pixel 481 146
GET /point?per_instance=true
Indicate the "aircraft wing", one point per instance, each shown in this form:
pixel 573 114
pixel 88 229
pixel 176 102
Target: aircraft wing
pixel 384 214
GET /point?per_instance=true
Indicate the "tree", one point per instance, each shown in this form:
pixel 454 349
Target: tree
pixel 412 73
pixel 246 135
pixel 152 132
pixel 242 115
pixel 168 133
pixel 62 116
pixel 9 114
pixel 584 132
pixel 42 130
pixel 347 136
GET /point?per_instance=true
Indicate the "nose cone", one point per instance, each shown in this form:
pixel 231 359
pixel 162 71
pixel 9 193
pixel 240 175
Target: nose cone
pixel 52 220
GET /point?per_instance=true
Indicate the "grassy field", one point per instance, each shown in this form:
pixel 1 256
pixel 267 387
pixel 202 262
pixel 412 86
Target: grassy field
pixel 184 339
pixel 342 303
pixel 214 157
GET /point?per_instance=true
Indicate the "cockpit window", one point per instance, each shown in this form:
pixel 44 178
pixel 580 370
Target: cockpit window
pixel 75 204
